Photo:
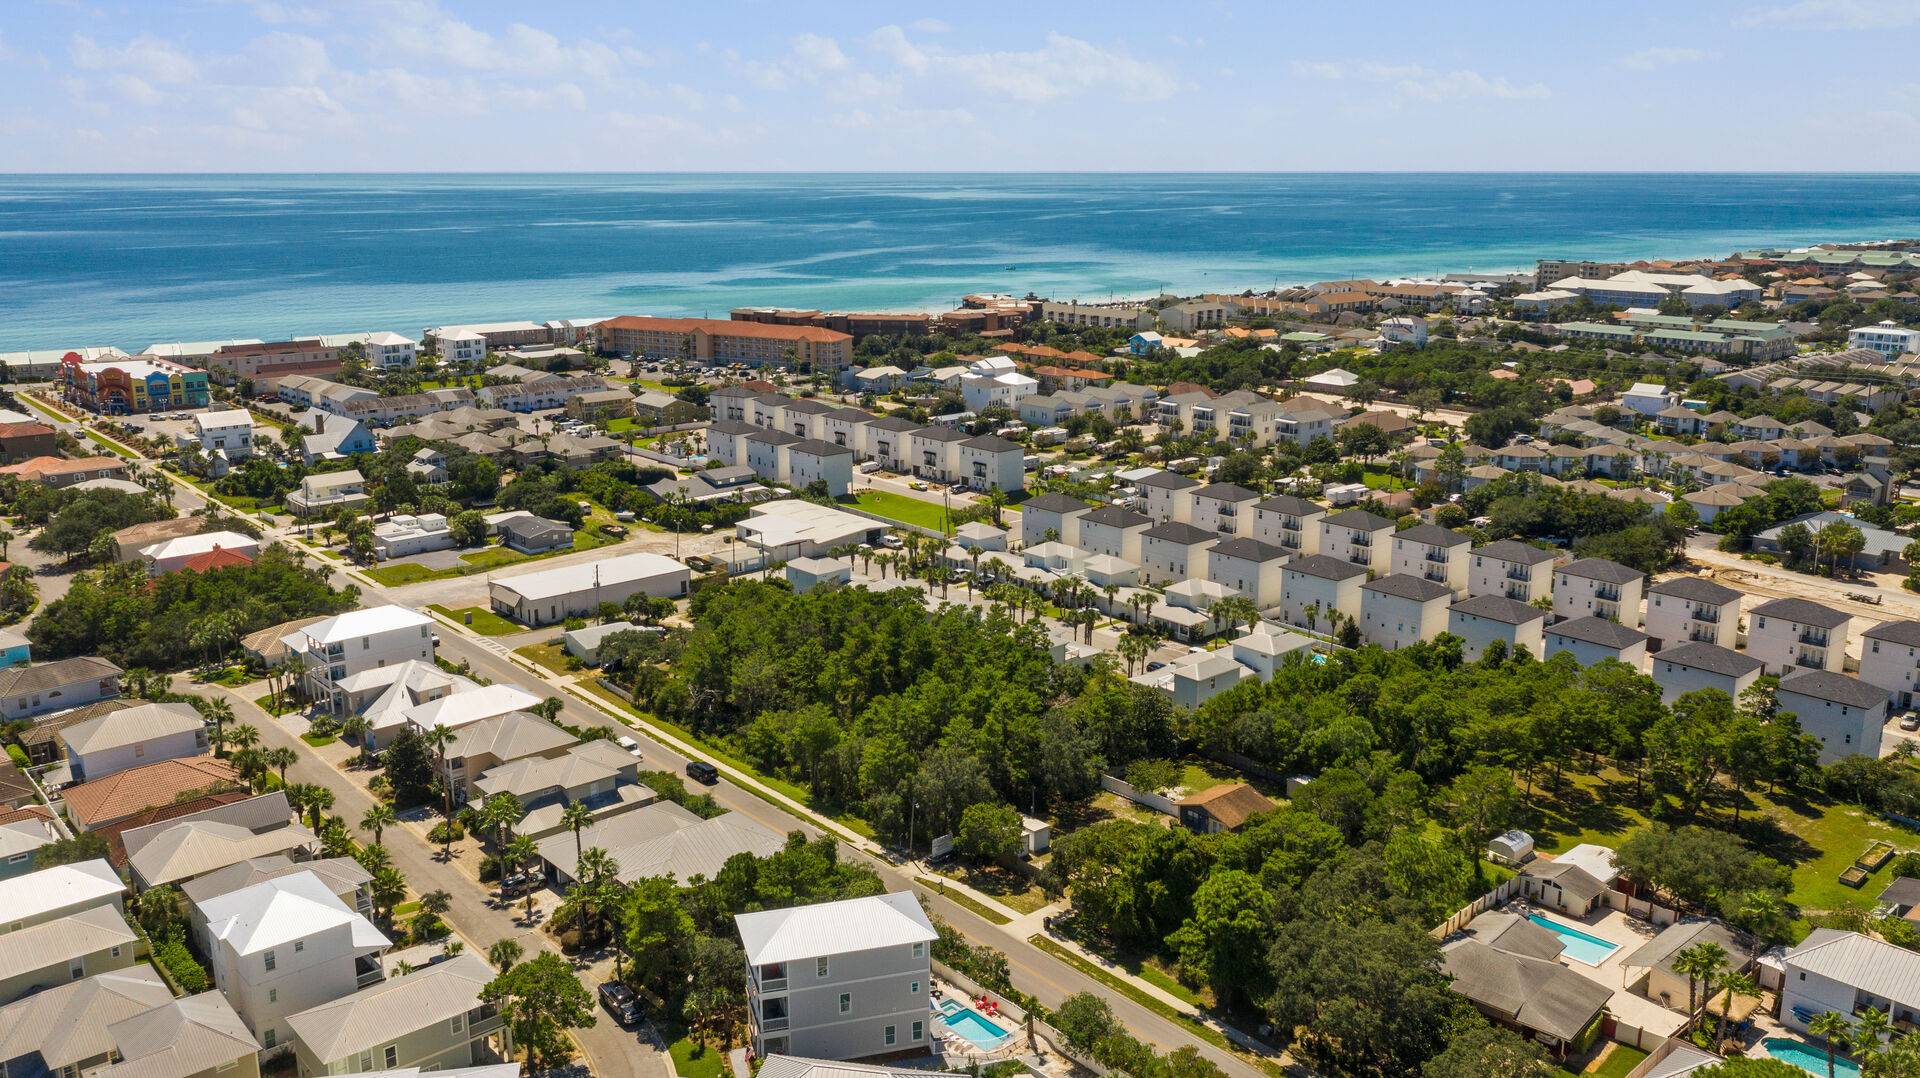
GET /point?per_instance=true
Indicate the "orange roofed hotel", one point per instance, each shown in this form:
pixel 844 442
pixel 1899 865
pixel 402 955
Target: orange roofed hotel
pixel 722 341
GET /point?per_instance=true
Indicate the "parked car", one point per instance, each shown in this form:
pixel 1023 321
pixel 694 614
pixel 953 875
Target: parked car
pixel 614 530
pixel 702 771
pixel 1911 722
pixel 620 1002
pixel 629 744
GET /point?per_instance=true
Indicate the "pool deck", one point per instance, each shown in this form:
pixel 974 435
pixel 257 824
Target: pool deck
pixel 1626 934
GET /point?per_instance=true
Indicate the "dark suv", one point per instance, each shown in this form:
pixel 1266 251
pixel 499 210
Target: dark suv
pixel 620 1002
pixel 702 771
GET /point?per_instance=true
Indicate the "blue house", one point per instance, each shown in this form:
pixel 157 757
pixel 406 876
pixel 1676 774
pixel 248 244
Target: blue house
pixel 1144 342
pixel 14 649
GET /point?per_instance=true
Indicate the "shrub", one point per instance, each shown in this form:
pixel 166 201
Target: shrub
pixel 19 757
pixel 447 831
pixel 174 957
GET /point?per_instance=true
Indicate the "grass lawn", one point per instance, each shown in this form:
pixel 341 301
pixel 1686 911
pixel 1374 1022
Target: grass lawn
pixel 479 561
pixel 1619 1062
pixel 393 576
pixel 1154 1004
pixel 550 655
pixel 318 740
pixel 1010 889
pixel 405 909
pixel 112 446
pixel 1815 838
pixel 267 704
pixel 692 1060
pixel 899 507
pixel 726 756
pixel 1382 481
pixel 984 911
pixel 485 622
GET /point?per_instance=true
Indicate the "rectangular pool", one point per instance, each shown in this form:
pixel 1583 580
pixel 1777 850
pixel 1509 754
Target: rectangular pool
pixel 1808 1058
pixel 969 1025
pixel 1591 950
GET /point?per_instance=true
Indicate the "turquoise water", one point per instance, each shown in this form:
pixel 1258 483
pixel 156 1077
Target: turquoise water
pixel 1808 1058
pixel 131 260
pixel 1578 945
pixel 971 1026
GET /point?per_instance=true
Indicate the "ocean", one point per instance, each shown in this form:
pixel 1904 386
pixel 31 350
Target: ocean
pixel 133 260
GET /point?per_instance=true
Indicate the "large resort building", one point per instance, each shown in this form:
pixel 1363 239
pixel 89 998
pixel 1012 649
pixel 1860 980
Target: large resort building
pixel 723 341
pixel 127 386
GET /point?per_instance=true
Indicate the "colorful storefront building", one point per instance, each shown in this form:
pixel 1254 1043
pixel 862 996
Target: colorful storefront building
pixel 131 386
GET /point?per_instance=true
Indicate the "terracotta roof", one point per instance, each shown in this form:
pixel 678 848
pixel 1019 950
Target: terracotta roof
pixel 117 796
pixel 23 430
pixel 1231 804
pixel 722 327
pixel 217 558
pixel 39 466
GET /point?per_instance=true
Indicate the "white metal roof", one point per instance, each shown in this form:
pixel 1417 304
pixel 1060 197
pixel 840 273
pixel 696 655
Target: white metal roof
pixel 569 579
pixel 830 928
pixel 190 545
pixel 464 708
pixel 58 888
pixel 131 726
pixel 278 911
pixel 1881 969
pixel 358 623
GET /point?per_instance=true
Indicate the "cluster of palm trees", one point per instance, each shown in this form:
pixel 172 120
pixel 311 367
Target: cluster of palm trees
pixel 1707 970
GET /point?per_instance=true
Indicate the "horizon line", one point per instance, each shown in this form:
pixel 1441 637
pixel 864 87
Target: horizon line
pixel 10 174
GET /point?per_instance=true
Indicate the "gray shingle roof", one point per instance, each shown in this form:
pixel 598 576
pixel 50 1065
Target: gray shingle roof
pixel 1609 572
pixel 1515 552
pixel 1432 535
pixel 1168 481
pixel 1499 608
pixel 1896 632
pixel 1532 993
pixel 1700 655
pixel 1248 550
pixel 1174 531
pixel 1405 586
pixel 1226 492
pixel 1597 630
pixel 1803 611
pixel 1288 505
pixel 1360 519
pixel 1115 517
pixel 1325 567
pixel 40 677
pixel 1837 688
pixel 1055 503
pixel 1695 588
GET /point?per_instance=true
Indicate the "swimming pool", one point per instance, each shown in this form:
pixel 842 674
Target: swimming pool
pixel 1577 945
pixel 969 1025
pixel 1808 1058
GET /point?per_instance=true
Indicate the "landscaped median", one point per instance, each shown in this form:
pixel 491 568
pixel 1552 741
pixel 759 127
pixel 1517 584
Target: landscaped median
pixel 1155 1004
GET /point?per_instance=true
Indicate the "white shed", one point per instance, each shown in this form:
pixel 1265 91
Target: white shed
pixel 1513 848
pixel 1035 835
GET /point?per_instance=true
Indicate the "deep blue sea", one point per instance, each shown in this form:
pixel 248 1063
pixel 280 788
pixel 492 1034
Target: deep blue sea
pixel 132 260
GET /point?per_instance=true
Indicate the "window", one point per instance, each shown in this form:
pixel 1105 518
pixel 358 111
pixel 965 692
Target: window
pixel 270 961
pixel 273 995
pixel 887 1035
pixel 819 967
pixel 299 945
pixel 919 950
pixel 457 1023
pixel 913 987
pixel 919 1031
pixel 115 952
pixel 270 1036
pixel 390 1055
pixel 846 1002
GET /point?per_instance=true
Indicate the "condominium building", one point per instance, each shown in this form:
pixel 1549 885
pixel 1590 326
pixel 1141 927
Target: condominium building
pixel 1797 634
pixel 839 980
pixel 432 1018
pixel 1103 315
pixel 1290 523
pixel 1596 587
pixel 721 341
pixel 1432 553
pixel 1888 338
pixel 1689 609
pixel 359 640
pixel 1316 587
pixel 1512 569
pixel 1359 537
pixel 1890 659
pixel 265 364
pixel 1697 665
pixel 1479 620
pixel 1845 713
pixel 1399 611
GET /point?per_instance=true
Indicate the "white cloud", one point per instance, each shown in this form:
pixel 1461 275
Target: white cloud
pixel 1061 67
pixel 1839 15
pixel 1417 83
pixel 808 58
pixel 1659 56
pixel 818 54
pixel 157 61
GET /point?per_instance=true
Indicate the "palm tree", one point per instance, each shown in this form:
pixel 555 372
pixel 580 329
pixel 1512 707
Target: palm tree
pixel 1134 647
pixel 1234 611
pixel 377 819
pixel 388 888
pixel 280 758
pixel 1701 963
pixel 243 736
pixel 521 853
pixel 310 798
pixel 1869 1026
pixel 1732 983
pixel 498 813
pixel 1832 1028
pixel 220 713
pixel 575 817
pixel 5 538
pixel 356 728
pixel 594 872
pixel 550 708
pixel 440 739
pixel 503 954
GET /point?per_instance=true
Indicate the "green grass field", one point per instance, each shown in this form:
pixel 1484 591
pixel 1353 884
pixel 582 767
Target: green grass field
pixel 485 622
pixel 479 561
pixel 906 510
pixel 111 446
pixel 550 655
pixel 692 1060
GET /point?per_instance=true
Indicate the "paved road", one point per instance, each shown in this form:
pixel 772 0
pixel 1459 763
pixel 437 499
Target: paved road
pixel 612 1053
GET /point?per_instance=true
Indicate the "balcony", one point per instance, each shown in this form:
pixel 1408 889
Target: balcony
pixel 1436 557
pixel 1519 572
pixel 1517 594
pixel 1706 635
pixel 1815 637
pixel 1358 557
pixel 367 970
pixel 1607 593
pixel 1360 539
pixel 1290 542
pixel 1436 574
pixel 1707 614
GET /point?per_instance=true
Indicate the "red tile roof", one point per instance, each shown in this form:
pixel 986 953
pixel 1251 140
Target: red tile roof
pixel 217 558
pixel 723 327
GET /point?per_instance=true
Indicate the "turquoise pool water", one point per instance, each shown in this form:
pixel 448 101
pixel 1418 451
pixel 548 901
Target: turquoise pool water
pixel 1578 945
pixel 971 1025
pixel 1808 1058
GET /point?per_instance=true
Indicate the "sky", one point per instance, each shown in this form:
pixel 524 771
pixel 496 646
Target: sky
pixel 1053 85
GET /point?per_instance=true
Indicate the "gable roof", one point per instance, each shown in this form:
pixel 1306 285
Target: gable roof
pixel 832 928
pixel 1530 992
pixel 180 1038
pixel 41 677
pixel 278 911
pixel 67 1024
pixel 57 888
pixel 131 726
pixel 510 736
pixel 1879 968
pixel 1231 803
pixel 376 1014
pixel 126 792
pixel 59 941
pixel 1659 951
pixel 341 875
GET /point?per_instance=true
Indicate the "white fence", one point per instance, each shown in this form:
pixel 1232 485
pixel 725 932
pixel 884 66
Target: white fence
pixel 1496 897
pixel 1156 802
